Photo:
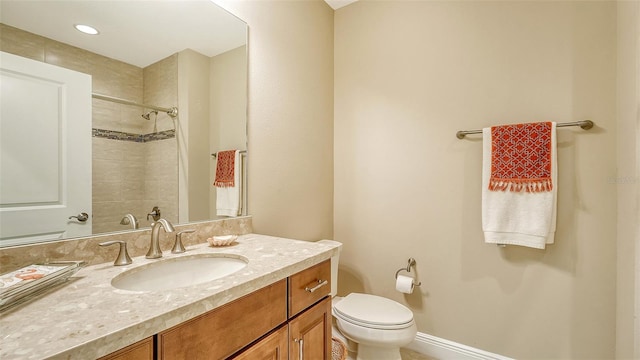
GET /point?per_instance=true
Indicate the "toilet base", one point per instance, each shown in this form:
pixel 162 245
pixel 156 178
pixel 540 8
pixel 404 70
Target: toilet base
pixel 335 332
pixel 366 352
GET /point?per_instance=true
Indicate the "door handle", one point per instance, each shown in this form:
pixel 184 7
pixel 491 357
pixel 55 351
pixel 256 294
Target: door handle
pixel 82 217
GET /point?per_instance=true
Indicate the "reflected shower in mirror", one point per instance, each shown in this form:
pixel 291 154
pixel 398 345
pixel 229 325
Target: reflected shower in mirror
pixel 142 156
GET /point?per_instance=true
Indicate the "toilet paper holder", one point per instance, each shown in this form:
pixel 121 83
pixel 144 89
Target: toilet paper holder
pixel 411 262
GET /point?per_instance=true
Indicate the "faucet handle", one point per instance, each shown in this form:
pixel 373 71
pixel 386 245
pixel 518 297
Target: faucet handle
pixel 123 257
pixel 177 246
pixel 155 214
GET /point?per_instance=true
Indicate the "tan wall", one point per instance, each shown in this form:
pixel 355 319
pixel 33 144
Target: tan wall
pixel 229 99
pixel 195 159
pixel 408 75
pixel 228 83
pixel 290 124
pixel 627 180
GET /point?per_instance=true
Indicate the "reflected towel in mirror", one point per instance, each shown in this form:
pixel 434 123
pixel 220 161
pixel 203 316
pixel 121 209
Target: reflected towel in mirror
pixel 227 183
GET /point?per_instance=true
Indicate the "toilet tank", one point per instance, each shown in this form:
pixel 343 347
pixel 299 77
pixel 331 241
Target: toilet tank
pixel 334 265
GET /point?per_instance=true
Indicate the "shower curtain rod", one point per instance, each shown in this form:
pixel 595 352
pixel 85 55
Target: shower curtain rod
pixel 584 124
pixel 173 112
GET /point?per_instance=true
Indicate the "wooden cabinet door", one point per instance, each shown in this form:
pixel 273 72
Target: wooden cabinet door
pixel 273 347
pixel 227 329
pixel 310 333
pixel 142 350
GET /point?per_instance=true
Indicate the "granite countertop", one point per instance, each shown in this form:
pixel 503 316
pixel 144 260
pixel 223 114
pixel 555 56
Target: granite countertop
pixel 87 318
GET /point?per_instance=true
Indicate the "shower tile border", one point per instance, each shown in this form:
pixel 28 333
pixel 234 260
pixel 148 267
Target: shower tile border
pixel 139 138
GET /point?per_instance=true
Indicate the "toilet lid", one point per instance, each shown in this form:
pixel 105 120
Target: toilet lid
pixel 373 311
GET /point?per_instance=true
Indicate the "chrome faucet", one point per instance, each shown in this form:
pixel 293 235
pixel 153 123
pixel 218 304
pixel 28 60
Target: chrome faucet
pixel 154 249
pixel 130 219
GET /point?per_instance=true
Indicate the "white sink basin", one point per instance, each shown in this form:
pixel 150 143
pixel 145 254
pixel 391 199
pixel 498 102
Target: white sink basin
pixel 178 272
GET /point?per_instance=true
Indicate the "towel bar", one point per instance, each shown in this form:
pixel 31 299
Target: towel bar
pixel 242 152
pixel 584 124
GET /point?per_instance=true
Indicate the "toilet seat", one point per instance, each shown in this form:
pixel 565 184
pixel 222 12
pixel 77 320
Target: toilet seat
pixel 374 312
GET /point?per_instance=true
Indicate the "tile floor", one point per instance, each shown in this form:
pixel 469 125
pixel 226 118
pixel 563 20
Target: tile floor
pixel 406 355
pixel 412 355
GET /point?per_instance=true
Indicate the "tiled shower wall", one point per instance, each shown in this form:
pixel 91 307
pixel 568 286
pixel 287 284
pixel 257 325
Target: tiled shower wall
pixel 161 170
pixel 133 169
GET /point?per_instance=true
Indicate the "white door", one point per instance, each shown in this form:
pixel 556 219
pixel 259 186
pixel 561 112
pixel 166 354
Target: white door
pixel 45 143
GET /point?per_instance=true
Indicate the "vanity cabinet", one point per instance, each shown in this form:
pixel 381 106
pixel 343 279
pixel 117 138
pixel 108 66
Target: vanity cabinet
pixel 273 347
pixel 307 336
pixel 289 319
pixel 307 333
pixel 142 350
pixel 227 329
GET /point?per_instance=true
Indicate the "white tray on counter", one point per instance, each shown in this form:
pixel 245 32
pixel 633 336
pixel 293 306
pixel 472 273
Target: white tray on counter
pixel 16 286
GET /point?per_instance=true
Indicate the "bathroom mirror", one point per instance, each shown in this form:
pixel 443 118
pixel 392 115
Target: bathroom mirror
pixel 157 55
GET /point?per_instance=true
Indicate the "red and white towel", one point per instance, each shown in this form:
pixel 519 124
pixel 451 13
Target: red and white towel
pixel 227 183
pixel 519 184
pixel 225 169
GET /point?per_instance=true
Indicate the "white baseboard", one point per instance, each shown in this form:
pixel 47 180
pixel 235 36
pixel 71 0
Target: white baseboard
pixel 443 349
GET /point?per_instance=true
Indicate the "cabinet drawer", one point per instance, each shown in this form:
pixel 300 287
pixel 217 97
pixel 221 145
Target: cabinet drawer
pixel 275 347
pixel 309 286
pixel 225 330
pixel 141 350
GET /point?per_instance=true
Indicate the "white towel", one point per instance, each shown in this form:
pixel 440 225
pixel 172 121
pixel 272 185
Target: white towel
pixel 228 198
pixel 518 218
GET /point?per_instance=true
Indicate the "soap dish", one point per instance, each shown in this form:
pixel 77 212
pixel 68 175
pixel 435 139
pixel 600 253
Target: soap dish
pixel 222 240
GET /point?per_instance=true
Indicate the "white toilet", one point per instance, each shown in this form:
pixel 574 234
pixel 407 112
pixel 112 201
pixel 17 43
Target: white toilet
pixel 378 325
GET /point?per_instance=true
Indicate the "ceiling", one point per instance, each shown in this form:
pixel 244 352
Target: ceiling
pixel 134 31
pixel 337 4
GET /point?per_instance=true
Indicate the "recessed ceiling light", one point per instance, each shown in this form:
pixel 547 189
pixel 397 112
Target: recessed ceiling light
pixel 86 29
